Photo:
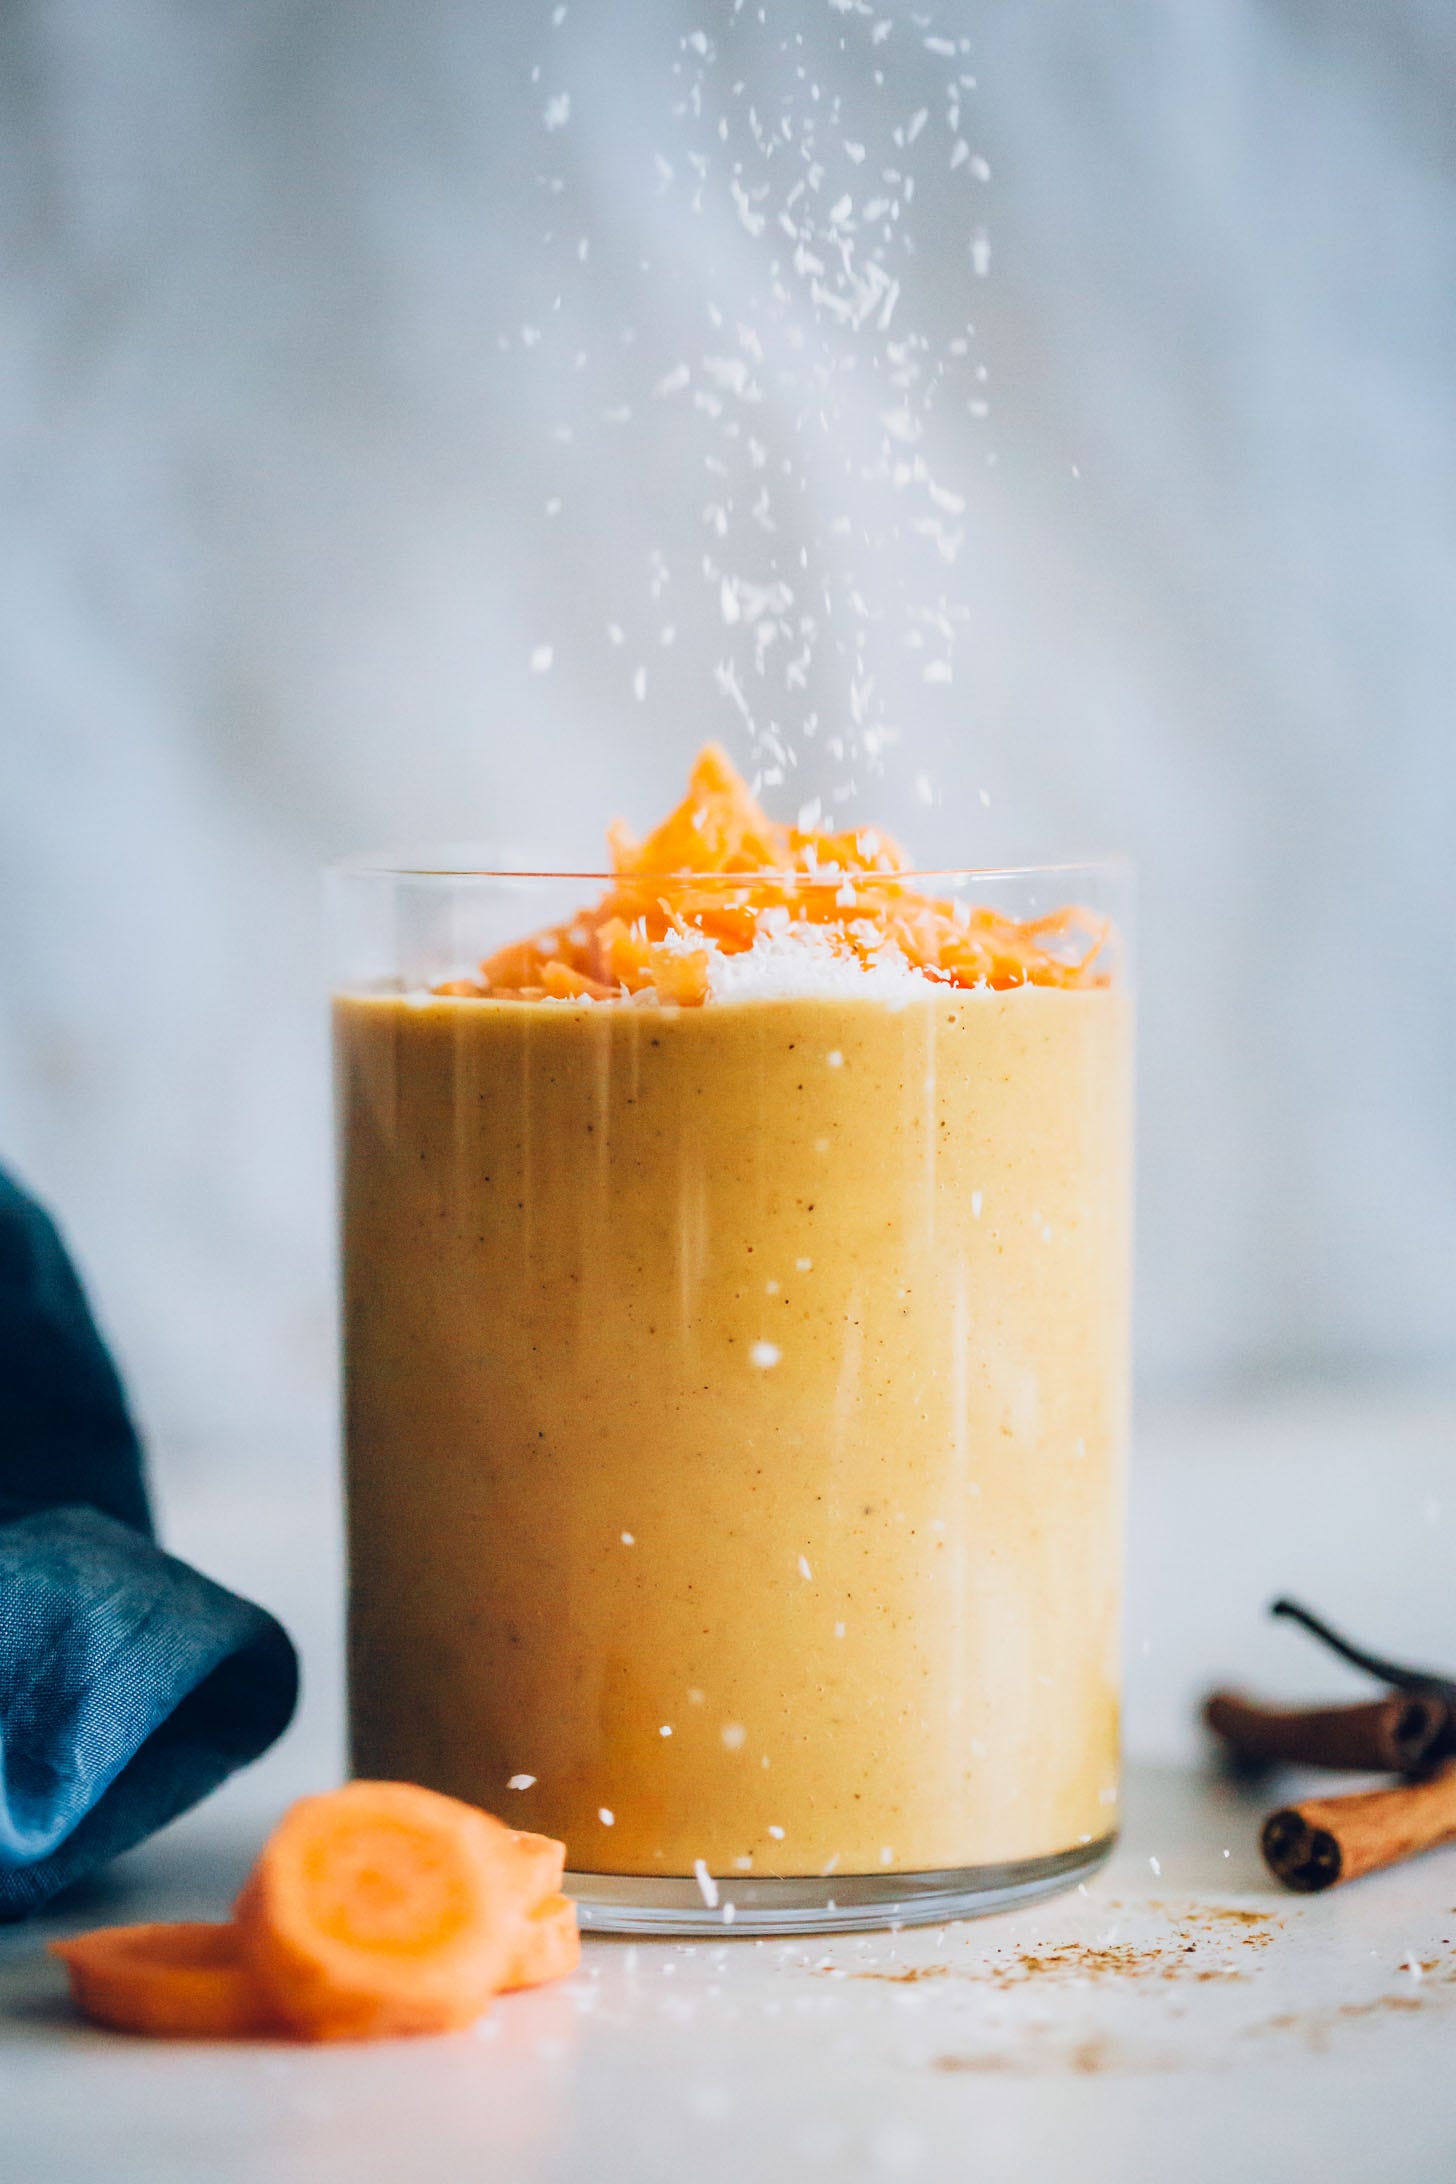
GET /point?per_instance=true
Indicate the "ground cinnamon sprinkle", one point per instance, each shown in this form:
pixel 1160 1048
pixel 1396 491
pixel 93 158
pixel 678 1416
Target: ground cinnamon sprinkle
pixel 1113 1962
pixel 1082 1962
pixel 1184 1957
pixel 910 1975
pixel 1087 2058
pixel 1262 1921
pixel 1040 2048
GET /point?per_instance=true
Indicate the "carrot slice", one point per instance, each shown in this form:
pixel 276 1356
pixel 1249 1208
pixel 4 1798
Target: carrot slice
pixel 548 1945
pixel 187 1981
pixel 381 1908
pixel 540 1863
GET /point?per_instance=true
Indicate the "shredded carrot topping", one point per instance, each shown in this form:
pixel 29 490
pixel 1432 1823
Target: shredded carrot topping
pixel 720 871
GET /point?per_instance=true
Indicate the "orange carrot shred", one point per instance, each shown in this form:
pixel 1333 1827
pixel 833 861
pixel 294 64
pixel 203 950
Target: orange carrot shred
pixel 565 984
pixel 717 866
pixel 681 978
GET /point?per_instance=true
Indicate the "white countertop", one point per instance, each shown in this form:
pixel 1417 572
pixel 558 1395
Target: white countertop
pixel 1181 2016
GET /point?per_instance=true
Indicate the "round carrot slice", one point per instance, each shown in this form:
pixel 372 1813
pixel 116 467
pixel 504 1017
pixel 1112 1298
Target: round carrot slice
pixel 187 1981
pixel 548 1945
pixel 381 1908
pixel 540 1863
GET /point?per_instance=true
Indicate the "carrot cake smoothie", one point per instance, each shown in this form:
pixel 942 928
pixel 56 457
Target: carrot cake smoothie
pixel 736 1302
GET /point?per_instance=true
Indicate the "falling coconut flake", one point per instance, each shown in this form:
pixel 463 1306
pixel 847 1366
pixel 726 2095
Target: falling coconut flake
pixel 807 394
pixel 707 1886
pixel 521 1782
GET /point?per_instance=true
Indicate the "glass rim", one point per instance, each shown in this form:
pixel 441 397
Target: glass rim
pixel 393 865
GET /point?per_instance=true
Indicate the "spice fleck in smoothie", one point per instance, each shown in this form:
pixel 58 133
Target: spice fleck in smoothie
pixel 736 1298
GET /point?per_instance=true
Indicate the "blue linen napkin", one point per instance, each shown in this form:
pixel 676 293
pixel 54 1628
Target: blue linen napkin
pixel 130 1685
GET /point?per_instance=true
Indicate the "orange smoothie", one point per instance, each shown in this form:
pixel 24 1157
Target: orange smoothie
pixel 737 1387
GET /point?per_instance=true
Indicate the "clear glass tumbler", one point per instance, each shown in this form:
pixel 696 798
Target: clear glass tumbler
pixel 736 1409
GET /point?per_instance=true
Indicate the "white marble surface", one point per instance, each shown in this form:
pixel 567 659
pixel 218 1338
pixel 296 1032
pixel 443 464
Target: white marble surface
pixel 1182 2017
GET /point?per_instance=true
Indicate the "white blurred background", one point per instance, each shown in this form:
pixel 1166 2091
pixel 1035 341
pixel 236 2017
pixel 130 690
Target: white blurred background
pixel 291 325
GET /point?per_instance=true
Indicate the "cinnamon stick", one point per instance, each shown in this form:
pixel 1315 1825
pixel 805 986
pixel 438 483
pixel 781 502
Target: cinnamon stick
pixel 1313 1845
pixel 1401 1734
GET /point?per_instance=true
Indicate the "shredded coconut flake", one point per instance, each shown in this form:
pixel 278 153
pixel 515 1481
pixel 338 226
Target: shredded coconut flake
pixel 793 964
pixel 707 1886
pixel 520 1782
pixel 828 325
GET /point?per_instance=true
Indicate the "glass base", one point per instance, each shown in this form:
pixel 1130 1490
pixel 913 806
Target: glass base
pixel 639 1903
